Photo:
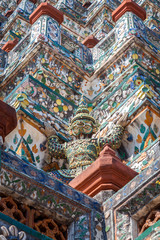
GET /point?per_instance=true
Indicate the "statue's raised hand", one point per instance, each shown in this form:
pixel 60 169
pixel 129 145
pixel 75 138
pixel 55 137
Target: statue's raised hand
pixel 123 120
pixel 49 130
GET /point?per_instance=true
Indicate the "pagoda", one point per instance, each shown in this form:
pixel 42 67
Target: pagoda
pixel 80 119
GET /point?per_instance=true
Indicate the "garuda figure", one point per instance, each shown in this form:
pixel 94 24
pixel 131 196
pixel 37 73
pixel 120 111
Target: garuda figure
pixel 84 149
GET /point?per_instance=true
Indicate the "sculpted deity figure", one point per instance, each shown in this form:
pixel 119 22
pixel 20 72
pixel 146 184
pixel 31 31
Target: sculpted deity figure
pixel 84 149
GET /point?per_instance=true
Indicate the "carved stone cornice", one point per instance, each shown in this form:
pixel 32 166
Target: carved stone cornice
pixel 128 6
pixel 46 9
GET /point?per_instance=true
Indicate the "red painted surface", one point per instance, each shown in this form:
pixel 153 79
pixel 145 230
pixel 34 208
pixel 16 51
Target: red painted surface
pixel 34 1
pixel 87 4
pixel 46 9
pixel 18 1
pixel 128 6
pixel 10 45
pixel 107 172
pixel 90 41
pixel 8 13
pixel 8 119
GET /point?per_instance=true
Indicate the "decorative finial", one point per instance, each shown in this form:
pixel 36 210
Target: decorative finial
pixel 82 101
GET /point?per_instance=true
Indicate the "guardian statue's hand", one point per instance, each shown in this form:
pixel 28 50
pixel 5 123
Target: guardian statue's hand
pixel 49 130
pixel 123 120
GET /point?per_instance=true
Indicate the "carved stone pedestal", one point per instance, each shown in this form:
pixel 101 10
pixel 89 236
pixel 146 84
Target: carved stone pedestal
pixel 106 173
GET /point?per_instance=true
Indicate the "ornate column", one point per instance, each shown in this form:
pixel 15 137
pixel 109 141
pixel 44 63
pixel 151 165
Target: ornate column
pixel 46 21
pixel 128 6
pixel 129 17
pixel 27 5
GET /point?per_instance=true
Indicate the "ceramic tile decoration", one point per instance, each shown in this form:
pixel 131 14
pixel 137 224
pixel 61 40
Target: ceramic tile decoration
pixel 79 119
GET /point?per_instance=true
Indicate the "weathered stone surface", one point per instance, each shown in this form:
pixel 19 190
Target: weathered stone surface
pixel 102 196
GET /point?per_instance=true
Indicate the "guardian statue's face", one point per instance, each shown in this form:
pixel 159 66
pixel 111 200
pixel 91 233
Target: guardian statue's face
pixel 81 127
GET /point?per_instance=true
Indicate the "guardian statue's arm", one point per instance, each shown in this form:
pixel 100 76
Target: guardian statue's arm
pixel 55 149
pixel 114 139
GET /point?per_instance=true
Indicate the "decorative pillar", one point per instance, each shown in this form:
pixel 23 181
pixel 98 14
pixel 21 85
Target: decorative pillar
pixel 8 119
pixel 27 6
pixel 128 6
pixel 46 21
pixel 129 17
pixel 85 54
pixel 106 173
